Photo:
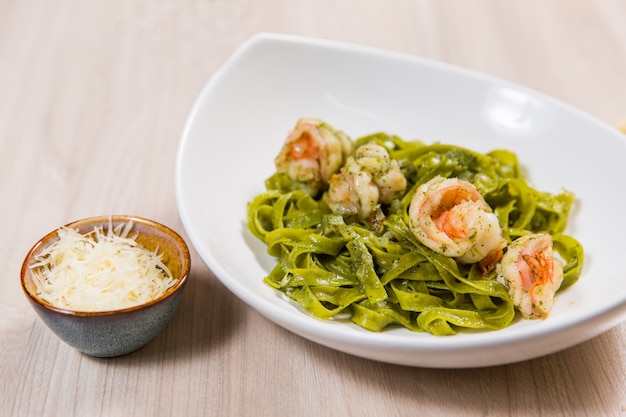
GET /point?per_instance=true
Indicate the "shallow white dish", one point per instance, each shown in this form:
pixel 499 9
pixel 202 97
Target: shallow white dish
pixel 243 114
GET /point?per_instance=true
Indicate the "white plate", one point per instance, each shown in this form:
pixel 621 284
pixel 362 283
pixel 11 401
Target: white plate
pixel 242 116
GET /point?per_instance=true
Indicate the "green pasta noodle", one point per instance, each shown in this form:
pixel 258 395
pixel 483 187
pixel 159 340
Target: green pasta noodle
pixel 377 273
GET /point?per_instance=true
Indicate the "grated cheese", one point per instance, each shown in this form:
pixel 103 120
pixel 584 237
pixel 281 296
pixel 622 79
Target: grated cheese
pixel 98 271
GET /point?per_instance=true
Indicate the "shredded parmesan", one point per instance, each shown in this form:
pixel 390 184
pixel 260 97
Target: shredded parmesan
pixel 99 271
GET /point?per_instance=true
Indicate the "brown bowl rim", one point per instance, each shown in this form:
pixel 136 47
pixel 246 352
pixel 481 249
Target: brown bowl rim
pixel 186 266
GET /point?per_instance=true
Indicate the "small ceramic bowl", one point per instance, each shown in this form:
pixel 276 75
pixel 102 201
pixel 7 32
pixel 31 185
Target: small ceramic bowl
pixel 118 331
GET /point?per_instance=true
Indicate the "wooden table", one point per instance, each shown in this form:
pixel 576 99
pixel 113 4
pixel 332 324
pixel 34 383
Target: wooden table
pixel 93 98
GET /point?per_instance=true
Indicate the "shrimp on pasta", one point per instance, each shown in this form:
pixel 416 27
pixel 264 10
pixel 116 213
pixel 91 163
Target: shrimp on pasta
pixel 531 273
pixel 451 217
pixel 369 178
pixel 313 151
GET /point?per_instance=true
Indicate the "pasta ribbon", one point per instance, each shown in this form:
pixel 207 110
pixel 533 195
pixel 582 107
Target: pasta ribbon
pixel 378 274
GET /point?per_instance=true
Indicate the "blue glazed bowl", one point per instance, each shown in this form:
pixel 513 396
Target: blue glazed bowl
pixel 114 332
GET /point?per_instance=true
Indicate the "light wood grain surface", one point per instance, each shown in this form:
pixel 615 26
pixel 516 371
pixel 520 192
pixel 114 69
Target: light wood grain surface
pixel 93 98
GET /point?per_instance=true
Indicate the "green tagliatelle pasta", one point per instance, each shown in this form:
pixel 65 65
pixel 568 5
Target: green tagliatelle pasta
pixel 377 273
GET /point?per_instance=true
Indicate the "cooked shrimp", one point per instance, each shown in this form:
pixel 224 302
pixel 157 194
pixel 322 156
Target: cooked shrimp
pixel 370 177
pixel 386 172
pixel 312 152
pixel 451 217
pixel 352 192
pixel 531 274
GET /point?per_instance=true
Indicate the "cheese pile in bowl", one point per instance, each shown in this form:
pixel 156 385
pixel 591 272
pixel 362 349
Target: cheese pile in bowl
pixel 99 271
